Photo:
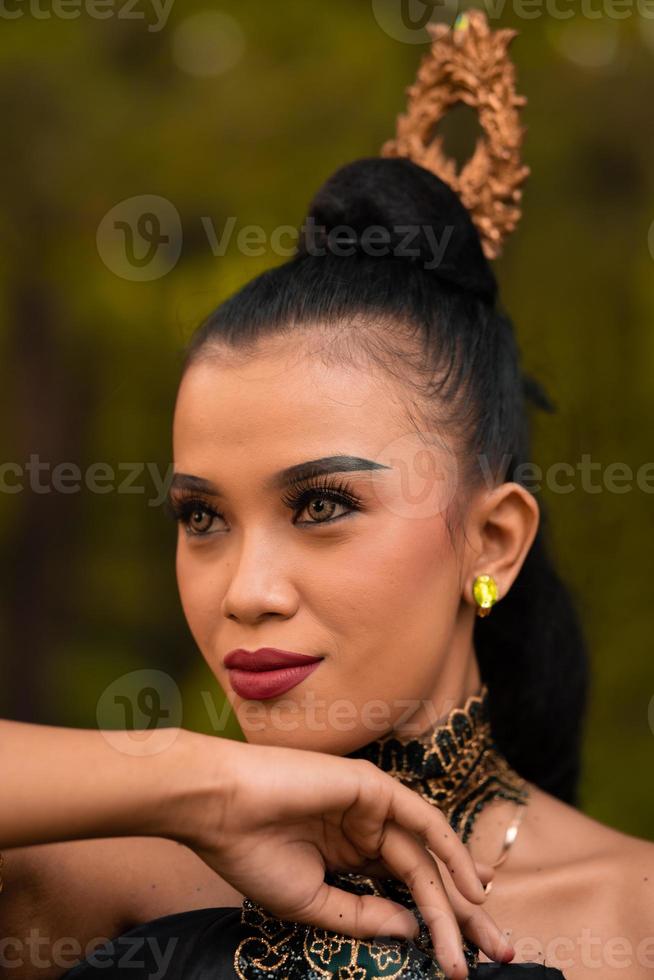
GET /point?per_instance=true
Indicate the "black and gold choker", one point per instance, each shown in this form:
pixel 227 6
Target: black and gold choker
pixel 457 767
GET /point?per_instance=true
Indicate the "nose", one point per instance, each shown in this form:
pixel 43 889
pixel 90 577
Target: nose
pixel 260 584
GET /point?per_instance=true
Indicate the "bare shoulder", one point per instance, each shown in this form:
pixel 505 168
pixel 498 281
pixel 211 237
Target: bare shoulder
pixel 581 890
pixel 566 834
pixel 568 839
pixel 109 885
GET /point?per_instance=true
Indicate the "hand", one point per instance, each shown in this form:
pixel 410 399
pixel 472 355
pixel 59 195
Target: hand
pixel 279 817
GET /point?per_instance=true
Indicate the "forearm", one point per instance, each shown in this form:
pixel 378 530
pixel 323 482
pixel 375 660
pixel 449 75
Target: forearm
pixel 70 783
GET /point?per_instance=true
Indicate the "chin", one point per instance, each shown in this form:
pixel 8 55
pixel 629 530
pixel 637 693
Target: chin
pixel 292 730
pixel 319 715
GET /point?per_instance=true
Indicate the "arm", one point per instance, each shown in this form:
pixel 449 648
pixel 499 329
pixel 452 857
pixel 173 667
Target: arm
pixel 69 784
pixel 269 820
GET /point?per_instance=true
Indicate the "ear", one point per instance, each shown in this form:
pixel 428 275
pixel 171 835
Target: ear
pixel 500 529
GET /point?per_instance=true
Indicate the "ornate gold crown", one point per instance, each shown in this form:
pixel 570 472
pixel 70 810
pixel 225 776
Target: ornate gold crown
pixel 469 63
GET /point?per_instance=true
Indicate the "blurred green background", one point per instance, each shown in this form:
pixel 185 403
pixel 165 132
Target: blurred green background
pixel 242 110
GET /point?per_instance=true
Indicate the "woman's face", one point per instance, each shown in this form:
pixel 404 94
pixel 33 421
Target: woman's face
pixel 355 566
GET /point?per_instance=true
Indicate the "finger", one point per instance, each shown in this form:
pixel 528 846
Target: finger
pixel 363 822
pixel 485 872
pixel 372 869
pixel 361 916
pixel 476 923
pixel 377 869
pixel 481 929
pixel 414 865
pixel 410 811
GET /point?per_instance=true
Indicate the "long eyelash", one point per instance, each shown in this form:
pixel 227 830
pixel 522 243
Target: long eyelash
pixel 183 503
pixel 339 491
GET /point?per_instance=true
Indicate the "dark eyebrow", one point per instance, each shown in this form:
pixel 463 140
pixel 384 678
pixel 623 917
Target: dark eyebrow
pixel 184 481
pixel 320 467
pixel 292 474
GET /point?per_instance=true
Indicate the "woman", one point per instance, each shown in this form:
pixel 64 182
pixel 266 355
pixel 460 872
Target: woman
pixel 348 437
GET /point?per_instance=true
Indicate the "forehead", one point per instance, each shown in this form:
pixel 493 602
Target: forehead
pixel 282 407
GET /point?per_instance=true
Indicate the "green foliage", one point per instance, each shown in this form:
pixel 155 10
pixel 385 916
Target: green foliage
pixel 97 111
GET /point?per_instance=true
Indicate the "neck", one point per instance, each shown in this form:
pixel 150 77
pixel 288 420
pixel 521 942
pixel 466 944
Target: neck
pixel 455 764
pixel 453 689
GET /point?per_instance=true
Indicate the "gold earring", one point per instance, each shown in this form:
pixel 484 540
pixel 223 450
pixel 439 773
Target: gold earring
pixel 484 589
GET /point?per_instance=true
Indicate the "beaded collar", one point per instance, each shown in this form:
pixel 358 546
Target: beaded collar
pixel 456 766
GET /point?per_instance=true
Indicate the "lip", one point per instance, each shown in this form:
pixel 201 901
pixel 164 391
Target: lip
pixel 267 658
pixel 267 672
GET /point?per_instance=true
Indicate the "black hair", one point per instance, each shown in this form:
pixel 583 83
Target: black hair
pixel 378 289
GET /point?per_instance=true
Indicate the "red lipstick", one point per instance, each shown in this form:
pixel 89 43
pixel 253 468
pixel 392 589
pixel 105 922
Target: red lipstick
pixel 267 672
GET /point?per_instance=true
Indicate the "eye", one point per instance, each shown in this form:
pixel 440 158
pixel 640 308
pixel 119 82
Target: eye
pixel 194 514
pixel 321 502
pixel 321 508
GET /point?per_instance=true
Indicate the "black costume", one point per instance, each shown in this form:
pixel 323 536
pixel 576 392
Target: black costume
pixel 457 767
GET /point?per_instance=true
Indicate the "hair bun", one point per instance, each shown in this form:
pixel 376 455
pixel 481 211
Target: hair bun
pixel 424 220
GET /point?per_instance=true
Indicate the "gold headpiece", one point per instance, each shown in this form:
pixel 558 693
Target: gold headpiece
pixel 469 63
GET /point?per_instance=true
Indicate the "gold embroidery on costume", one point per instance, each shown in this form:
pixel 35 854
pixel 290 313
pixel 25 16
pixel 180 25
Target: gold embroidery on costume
pixel 457 767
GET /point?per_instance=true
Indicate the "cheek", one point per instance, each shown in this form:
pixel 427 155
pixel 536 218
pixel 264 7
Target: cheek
pixel 415 558
pixel 394 590
pixel 200 593
pixel 416 563
pixel 410 608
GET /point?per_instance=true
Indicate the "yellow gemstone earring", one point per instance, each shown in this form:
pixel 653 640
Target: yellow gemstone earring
pixel 484 589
